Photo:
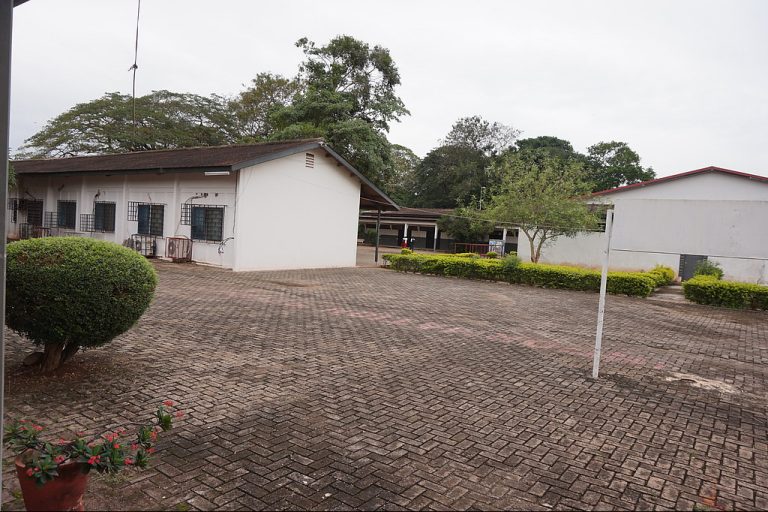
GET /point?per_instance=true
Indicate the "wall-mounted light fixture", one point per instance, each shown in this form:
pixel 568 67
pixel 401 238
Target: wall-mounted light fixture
pixel 217 173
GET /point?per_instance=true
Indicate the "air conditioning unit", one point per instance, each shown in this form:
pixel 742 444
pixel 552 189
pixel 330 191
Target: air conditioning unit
pixel 178 249
pixel 146 245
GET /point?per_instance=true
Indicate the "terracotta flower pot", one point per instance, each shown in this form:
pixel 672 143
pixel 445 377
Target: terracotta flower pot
pixel 65 492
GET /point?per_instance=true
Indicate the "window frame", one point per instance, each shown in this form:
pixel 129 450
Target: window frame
pixel 152 226
pixel 65 213
pixel 206 211
pixel 101 222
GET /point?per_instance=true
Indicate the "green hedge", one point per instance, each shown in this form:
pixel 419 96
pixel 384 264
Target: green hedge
pixel 709 290
pixel 639 284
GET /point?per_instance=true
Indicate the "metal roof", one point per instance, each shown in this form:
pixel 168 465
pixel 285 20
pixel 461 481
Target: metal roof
pixel 199 159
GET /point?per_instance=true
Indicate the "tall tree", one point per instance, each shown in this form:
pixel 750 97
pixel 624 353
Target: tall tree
pixel 164 120
pixel 552 146
pixel 402 180
pixel 481 135
pixel 348 98
pixel 254 106
pixel 613 164
pixel 449 176
pixel 543 198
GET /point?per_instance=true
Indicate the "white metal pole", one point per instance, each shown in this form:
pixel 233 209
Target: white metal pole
pixel 6 25
pixel 603 285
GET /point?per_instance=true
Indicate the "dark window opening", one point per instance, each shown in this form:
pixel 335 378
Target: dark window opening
pixel 67 214
pixel 150 217
pixel 104 216
pixel 207 223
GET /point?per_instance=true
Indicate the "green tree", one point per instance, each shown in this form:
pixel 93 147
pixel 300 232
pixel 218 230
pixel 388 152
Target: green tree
pixel 449 176
pixel 254 106
pixel 466 225
pixel 402 180
pixel 481 135
pixel 164 120
pixel 348 98
pixel 613 164
pixel 543 197
pixel 552 146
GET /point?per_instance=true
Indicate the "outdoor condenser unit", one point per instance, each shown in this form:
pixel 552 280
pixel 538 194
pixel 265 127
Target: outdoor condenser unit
pixel 145 245
pixel 178 249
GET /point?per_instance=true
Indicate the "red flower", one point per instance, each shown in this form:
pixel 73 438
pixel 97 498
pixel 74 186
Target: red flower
pixel 30 472
pixel 153 435
pixel 80 434
pixel 22 421
pixel 179 414
pixel 62 441
pixel 128 461
pixel 151 450
pixel 59 459
pixel 116 446
pixel 134 447
pixel 37 427
pixel 94 460
pixel 169 403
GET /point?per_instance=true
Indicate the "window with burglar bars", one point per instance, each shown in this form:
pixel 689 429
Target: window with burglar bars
pixel 34 209
pixel 151 218
pixel 13 206
pixel 207 223
pixel 104 216
pixel 67 214
pixel 51 220
pixel 87 222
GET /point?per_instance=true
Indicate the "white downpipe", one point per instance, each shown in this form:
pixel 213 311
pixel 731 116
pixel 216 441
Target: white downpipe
pixel 603 286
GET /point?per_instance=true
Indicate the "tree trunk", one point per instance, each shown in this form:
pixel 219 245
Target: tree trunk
pixel 69 351
pixel 534 252
pixel 51 357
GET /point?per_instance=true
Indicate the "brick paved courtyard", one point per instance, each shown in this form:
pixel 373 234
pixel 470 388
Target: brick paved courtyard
pixel 368 389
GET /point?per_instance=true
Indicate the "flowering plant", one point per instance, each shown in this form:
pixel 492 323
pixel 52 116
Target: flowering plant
pixel 107 453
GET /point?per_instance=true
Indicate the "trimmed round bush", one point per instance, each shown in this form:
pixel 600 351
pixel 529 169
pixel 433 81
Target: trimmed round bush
pixel 492 255
pixel 67 292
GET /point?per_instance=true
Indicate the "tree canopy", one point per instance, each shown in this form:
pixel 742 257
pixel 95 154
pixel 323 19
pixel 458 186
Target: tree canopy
pixel 613 164
pixel 543 197
pixel 479 134
pixel 164 120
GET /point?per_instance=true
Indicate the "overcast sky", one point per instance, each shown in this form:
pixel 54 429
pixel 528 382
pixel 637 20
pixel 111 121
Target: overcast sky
pixel 685 83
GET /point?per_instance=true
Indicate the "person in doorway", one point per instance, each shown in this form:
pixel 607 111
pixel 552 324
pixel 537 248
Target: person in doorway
pixel 411 243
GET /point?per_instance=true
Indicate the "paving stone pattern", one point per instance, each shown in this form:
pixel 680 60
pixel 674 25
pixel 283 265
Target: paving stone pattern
pixel 370 389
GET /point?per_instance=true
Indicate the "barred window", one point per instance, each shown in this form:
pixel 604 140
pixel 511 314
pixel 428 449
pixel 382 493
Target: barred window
pixel 150 217
pixel 207 223
pixel 67 214
pixel 104 216
pixel 34 208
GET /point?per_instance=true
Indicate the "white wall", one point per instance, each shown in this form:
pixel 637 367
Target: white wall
pixel 715 215
pixel 168 189
pixel 586 249
pixel 290 216
pixel 705 186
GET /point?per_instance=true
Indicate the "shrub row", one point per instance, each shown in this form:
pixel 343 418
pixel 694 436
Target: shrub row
pixel 707 289
pixel 639 284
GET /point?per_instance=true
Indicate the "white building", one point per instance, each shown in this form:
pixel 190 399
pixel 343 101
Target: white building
pixel 282 205
pixel 712 213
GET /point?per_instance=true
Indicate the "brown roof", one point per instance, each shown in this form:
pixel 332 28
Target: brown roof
pixel 199 159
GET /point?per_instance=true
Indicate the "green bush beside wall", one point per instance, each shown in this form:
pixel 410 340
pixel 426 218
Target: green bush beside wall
pixel 707 289
pixel 640 284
